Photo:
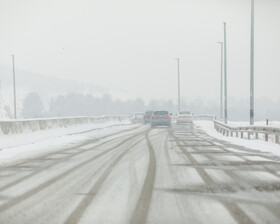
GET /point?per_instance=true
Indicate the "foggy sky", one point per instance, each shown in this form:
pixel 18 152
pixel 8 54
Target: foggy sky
pixel 130 45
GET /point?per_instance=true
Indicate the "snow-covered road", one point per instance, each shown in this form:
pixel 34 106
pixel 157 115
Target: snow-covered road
pixel 143 175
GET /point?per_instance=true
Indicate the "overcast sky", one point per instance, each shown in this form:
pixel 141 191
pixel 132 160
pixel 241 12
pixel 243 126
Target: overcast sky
pixel 130 45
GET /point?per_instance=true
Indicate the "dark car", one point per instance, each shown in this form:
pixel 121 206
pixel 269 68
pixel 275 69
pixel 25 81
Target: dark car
pixel 147 116
pixel 161 118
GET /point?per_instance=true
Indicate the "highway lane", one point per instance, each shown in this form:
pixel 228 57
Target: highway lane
pixel 144 175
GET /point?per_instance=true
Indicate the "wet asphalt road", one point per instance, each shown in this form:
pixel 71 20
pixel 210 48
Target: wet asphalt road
pixel 144 175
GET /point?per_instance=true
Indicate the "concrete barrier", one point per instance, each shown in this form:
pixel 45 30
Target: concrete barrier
pixel 32 125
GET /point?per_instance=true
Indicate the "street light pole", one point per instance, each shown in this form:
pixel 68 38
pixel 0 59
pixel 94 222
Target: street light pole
pixel 252 66
pixel 221 94
pixel 14 80
pixel 179 100
pixel 225 72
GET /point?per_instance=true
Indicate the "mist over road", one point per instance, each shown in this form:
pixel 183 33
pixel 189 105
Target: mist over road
pixel 144 175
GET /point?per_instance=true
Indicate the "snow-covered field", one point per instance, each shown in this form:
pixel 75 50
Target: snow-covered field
pixel 14 147
pixel 261 145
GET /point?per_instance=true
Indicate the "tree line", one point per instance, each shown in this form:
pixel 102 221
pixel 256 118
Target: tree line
pixel 74 104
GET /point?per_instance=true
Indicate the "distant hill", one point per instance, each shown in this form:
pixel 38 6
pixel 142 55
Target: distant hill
pixel 46 86
pixel 43 83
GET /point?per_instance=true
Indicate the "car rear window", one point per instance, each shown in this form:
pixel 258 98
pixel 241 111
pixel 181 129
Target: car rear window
pixel 184 112
pixel 161 113
pixel 139 115
pixel 148 112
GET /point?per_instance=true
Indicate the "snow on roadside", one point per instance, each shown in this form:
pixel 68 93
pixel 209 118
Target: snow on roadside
pixel 17 147
pixel 208 127
pixel 275 124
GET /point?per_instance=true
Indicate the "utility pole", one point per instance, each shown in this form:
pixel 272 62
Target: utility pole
pixel 14 78
pixel 225 72
pixel 221 94
pixel 252 66
pixel 179 100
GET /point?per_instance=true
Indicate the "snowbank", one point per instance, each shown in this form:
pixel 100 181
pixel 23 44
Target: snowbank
pixel 275 124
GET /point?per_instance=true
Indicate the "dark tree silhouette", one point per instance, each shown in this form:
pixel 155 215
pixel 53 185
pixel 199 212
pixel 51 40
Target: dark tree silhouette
pixel 32 106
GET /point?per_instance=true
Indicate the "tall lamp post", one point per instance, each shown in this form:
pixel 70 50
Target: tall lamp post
pixel 179 100
pixel 221 93
pixel 225 72
pixel 14 81
pixel 252 66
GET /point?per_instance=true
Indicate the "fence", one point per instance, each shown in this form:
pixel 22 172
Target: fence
pixel 249 131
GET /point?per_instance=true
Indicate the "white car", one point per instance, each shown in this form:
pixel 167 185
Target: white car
pixel 137 118
pixel 184 117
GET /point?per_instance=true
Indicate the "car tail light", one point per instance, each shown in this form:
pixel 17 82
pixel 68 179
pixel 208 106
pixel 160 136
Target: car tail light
pixel 154 116
pixel 168 116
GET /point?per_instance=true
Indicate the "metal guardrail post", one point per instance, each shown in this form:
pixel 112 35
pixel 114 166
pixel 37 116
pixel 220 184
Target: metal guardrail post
pixel 277 138
pixel 266 137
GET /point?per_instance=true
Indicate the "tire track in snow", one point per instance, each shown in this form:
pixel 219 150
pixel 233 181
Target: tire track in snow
pixel 202 173
pixel 11 184
pixel 67 149
pixel 241 156
pixel 236 212
pixel 174 175
pixel 77 214
pixel 13 202
pixel 248 152
pixel 140 213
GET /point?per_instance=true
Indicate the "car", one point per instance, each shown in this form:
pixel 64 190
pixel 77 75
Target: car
pixel 184 117
pixel 147 116
pixel 161 118
pixel 137 118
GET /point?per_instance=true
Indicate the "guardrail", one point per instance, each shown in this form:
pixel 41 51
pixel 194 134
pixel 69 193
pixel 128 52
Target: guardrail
pixel 32 125
pixel 204 117
pixel 249 131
